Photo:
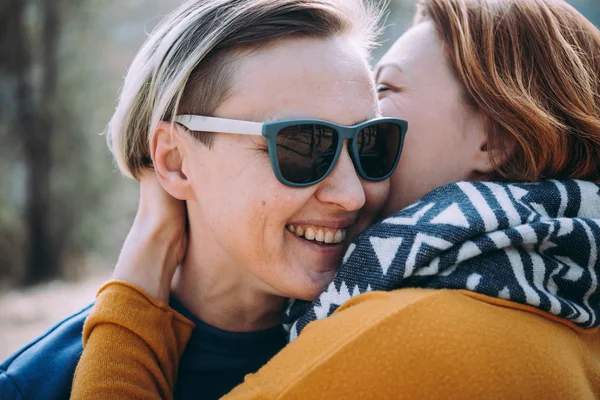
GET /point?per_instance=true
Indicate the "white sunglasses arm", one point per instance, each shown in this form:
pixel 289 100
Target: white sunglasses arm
pixel 219 125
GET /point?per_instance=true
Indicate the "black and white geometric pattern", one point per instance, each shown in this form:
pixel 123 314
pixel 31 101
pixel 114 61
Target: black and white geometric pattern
pixel 533 243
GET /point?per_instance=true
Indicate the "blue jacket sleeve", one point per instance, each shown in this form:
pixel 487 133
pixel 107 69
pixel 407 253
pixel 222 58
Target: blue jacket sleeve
pixel 43 369
pixel 8 388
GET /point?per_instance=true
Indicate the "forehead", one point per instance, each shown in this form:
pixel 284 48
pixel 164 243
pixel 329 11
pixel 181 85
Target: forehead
pixel 302 78
pixel 418 60
pixel 419 50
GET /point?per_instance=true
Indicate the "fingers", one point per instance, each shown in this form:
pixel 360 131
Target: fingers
pixel 157 241
pixel 156 202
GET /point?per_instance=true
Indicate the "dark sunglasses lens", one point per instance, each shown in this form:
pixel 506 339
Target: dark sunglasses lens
pixel 378 148
pixel 305 152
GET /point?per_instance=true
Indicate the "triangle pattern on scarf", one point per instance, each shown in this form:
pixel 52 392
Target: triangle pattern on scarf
pixel 332 296
pixel 535 244
pixel 452 215
pixel 413 219
pixel 385 250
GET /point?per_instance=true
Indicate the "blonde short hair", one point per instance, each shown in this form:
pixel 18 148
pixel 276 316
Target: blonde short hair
pixel 186 64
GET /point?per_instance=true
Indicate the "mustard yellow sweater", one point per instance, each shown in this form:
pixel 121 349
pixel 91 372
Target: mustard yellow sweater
pixel 406 344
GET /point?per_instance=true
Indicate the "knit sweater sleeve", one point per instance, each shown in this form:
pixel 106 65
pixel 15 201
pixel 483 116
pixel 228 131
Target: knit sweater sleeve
pixel 132 346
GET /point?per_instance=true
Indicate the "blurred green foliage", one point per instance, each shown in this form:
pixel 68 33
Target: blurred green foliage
pixel 89 206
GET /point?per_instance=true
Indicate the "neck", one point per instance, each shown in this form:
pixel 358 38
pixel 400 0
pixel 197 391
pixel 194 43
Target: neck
pixel 225 296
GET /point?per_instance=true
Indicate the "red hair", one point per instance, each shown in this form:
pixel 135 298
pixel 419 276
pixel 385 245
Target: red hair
pixel 532 67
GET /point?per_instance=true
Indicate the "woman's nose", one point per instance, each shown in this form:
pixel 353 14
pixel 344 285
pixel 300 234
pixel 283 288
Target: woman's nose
pixel 343 186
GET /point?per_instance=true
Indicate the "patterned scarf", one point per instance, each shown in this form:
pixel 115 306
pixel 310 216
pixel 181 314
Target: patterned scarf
pixel 535 244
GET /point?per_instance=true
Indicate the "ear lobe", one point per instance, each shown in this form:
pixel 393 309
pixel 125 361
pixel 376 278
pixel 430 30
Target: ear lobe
pixel 488 158
pixel 168 154
pixel 488 154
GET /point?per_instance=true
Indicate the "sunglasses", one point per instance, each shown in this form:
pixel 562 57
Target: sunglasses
pixel 303 152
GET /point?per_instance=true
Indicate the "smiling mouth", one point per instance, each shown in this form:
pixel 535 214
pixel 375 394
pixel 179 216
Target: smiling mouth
pixel 318 234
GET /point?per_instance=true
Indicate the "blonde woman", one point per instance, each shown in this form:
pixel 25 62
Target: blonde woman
pixel 260 115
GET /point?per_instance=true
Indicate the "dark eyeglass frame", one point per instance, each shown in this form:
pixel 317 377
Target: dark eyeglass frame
pixel 270 130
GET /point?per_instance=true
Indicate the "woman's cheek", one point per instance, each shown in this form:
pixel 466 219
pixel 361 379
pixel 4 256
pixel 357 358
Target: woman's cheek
pixel 388 107
pixel 377 194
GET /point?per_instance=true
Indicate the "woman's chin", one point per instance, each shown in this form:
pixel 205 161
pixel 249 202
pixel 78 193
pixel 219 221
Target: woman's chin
pixel 314 286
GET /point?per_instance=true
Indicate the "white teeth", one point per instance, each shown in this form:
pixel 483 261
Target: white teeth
pixel 321 235
pixel 329 237
pixel 338 237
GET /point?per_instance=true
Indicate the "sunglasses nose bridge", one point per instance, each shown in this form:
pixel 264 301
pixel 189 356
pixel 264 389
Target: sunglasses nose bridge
pixel 346 136
pixel 347 133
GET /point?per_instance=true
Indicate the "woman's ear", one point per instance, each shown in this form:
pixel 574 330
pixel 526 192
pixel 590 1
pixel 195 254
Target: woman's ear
pixel 168 152
pixel 488 154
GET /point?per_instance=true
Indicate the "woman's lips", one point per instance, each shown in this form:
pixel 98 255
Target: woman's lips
pixel 328 258
pixel 318 233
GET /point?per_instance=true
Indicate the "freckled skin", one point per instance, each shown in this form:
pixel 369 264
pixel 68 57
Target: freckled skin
pixel 239 245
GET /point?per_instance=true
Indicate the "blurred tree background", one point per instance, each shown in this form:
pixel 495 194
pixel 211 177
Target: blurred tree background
pixel 64 207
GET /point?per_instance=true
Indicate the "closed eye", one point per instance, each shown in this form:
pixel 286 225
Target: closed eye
pixel 382 88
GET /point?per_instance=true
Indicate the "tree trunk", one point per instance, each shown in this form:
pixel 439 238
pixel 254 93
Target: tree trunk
pixel 30 118
pixel 42 260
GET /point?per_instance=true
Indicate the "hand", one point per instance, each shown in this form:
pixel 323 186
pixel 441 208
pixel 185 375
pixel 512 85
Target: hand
pixel 157 241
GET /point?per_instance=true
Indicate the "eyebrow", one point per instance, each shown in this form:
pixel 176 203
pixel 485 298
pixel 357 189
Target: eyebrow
pixel 357 121
pixel 360 121
pixel 390 64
